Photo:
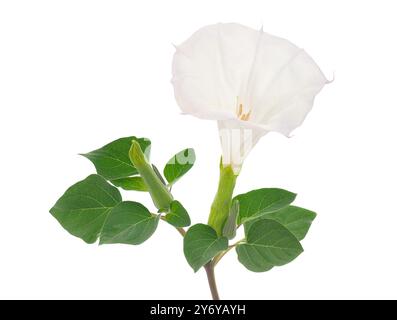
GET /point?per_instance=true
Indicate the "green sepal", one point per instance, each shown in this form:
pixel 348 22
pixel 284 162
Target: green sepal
pixel 230 228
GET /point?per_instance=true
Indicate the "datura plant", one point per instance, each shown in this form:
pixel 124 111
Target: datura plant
pixel 250 83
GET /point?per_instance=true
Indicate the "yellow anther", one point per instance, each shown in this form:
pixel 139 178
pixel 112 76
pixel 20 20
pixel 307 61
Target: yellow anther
pixel 239 111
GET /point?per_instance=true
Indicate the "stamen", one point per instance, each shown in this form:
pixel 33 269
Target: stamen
pixel 240 111
pixel 247 116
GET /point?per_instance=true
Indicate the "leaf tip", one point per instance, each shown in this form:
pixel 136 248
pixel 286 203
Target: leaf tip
pixel 85 155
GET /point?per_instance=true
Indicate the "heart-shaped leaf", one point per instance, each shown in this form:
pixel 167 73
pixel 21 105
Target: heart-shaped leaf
pixel 85 206
pixel 268 244
pixel 257 203
pixel 297 220
pixel 201 244
pixel 112 160
pixel 129 223
pixel 177 216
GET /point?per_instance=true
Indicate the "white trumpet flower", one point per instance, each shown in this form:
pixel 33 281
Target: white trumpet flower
pixel 249 81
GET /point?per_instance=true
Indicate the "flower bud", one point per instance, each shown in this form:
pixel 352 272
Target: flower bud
pixel 161 196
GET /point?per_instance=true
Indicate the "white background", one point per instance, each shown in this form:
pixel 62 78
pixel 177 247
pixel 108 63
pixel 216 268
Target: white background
pixel 75 75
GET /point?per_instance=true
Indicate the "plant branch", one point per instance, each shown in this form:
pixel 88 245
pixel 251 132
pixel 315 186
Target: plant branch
pixel 210 269
pixel 181 231
pixel 222 254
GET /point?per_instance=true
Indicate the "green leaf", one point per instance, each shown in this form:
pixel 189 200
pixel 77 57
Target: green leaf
pixel 129 223
pixel 201 244
pixel 131 183
pixel 259 202
pixel 229 230
pixel 177 216
pixel 268 244
pixel 112 160
pixel 179 164
pixel 85 206
pixel 297 220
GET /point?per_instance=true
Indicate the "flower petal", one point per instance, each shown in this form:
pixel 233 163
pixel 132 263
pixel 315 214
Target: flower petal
pixel 211 69
pixel 283 84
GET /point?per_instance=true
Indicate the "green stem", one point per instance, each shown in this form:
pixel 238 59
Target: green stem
pixel 223 253
pixel 223 199
pixel 219 213
pixel 181 231
pixel 209 269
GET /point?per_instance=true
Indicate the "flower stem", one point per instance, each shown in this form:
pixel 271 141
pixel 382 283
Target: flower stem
pixel 210 269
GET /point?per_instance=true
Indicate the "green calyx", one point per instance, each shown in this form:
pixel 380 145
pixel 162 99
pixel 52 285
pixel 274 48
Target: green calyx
pixel 161 196
pixel 220 207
